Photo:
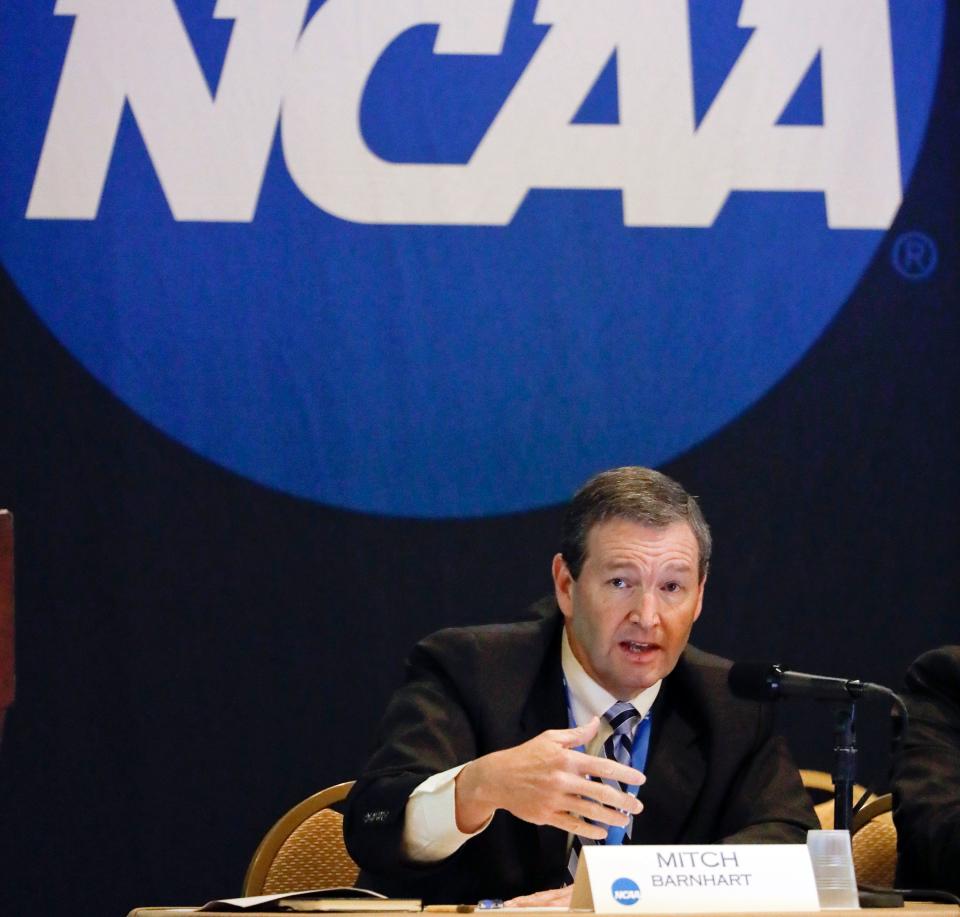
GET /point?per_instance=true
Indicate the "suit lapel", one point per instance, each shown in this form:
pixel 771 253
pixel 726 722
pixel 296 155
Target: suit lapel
pixel 546 708
pixel 676 770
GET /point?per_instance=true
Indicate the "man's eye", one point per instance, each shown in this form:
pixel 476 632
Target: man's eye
pixel 672 587
pixel 618 582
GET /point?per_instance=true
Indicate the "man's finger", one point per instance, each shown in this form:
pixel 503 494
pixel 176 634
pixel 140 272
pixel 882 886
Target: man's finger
pixel 602 793
pixel 587 808
pixel 592 766
pixel 578 735
pixel 554 897
pixel 573 825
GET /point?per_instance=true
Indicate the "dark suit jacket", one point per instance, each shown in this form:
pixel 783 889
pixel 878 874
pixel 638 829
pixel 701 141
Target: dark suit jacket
pixel 715 772
pixel 926 775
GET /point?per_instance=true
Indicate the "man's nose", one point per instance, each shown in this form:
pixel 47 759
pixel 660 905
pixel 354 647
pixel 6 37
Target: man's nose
pixel 646 611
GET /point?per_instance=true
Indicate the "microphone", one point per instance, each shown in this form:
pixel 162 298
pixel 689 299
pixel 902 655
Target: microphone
pixel 768 681
pixel 765 681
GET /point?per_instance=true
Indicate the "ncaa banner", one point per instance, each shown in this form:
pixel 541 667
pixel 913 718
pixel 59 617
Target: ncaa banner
pixel 446 257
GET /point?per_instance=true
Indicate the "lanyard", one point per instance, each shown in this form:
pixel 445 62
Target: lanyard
pixel 638 760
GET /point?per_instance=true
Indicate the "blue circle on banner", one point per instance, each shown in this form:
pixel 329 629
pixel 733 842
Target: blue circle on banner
pixel 625 891
pixel 426 370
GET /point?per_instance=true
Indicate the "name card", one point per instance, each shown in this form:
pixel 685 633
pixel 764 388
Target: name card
pixel 689 879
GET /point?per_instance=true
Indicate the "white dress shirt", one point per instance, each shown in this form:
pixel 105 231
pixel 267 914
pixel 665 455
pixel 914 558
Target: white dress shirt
pixel 430 830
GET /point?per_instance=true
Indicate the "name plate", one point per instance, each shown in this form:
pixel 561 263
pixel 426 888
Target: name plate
pixel 690 879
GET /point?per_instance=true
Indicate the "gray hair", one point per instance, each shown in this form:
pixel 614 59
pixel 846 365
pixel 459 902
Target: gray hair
pixel 639 494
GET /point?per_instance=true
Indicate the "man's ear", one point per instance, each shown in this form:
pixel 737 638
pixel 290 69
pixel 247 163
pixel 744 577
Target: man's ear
pixel 562 585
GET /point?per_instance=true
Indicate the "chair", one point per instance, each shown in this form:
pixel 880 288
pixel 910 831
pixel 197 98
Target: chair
pixel 7 670
pixel 875 843
pixel 819 786
pixel 304 849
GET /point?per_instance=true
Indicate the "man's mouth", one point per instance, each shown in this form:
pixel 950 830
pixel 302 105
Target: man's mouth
pixel 633 646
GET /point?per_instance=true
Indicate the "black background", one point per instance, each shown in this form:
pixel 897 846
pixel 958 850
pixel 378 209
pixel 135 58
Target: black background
pixel 189 644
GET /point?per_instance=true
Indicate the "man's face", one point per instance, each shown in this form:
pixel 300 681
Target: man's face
pixel 630 612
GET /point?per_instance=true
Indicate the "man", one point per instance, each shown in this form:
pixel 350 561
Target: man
pixel 478 788
pixel 926 775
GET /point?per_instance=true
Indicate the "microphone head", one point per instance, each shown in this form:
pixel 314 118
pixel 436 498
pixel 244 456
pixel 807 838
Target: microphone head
pixel 755 680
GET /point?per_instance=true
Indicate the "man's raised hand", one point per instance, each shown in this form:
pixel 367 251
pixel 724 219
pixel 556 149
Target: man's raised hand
pixel 544 781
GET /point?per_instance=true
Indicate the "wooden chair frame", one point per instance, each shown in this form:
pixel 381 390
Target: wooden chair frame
pixel 876 806
pixel 269 848
pixel 822 782
pixel 874 841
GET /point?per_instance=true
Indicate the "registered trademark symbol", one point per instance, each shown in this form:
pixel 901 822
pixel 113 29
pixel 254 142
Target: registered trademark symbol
pixel 914 255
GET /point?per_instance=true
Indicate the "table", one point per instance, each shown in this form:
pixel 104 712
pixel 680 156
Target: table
pixel 910 909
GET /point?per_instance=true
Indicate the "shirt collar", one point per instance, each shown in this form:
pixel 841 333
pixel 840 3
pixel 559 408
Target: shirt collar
pixel 587 698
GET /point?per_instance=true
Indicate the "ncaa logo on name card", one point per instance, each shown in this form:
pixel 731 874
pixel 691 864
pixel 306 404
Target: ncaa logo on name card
pixel 625 891
pixel 447 258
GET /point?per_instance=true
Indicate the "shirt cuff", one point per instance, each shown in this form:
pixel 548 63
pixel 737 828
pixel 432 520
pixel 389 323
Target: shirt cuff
pixel 430 831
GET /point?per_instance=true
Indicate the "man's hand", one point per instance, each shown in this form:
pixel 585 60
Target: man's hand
pixel 544 781
pixel 552 897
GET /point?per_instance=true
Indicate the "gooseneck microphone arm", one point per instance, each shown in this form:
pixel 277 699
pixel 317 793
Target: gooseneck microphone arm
pixel 768 681
pixel 765 681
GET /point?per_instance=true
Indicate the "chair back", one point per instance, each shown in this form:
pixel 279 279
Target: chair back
pixel 875 843
pixel 7 669
pixel 304 849
pixel 819 786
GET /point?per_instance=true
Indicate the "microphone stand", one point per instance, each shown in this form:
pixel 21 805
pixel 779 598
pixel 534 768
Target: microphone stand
pixel 844 765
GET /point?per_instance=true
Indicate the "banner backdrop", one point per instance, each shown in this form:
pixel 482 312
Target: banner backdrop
pixel 314 313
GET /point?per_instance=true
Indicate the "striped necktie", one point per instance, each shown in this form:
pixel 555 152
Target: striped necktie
pixel 623 719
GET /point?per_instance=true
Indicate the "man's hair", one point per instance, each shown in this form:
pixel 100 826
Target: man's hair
pixel 638 494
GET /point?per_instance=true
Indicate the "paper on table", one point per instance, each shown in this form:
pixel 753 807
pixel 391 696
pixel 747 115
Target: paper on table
pixel 257 902
pixel 323 905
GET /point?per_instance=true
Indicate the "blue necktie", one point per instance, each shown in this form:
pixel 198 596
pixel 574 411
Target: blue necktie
pixel 623 719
